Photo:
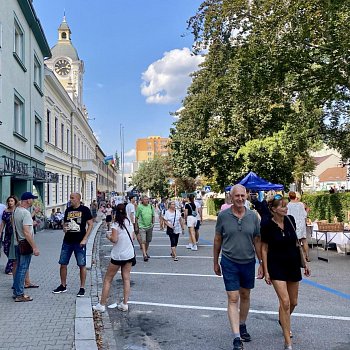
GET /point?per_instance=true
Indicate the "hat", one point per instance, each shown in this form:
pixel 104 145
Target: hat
pixel 28 195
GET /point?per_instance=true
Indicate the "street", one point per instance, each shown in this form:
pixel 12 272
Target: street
pixel 182 305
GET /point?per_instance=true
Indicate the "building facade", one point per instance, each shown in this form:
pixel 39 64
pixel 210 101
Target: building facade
pixel 150 147
pixel 23 47
pixel 107 177
pixel 70 143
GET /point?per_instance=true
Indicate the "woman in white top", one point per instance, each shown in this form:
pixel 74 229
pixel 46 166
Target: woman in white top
pixel 175 225
pixel 122 255
pixel 297 210
pixel 109 211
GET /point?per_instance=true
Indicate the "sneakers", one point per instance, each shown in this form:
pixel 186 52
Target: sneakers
pixel 123 307
pixel 237 344
pixel 99 307
pixel 288 347
pixel 81 292
pixel 60 289
pixel 189 246
pixel 194 247
pixel 244 334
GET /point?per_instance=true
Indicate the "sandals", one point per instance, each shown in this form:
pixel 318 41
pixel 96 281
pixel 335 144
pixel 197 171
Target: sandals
pixel 32 286
pixel 23 298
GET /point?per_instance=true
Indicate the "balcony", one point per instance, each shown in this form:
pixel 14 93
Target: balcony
pixel 89 166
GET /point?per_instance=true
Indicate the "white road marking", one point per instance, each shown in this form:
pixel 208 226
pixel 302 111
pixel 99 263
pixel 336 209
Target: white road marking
pixel 166 245
pixel 172 274
pixel 169 257
pixel 209 308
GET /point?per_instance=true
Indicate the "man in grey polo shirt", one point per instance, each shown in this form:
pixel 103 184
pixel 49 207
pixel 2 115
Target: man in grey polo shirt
pixel 237 235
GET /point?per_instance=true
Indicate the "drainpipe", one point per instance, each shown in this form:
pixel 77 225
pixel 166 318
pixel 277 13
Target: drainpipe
pixel 71 150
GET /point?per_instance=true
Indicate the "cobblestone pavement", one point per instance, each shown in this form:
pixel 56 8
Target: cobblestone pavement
pixel 47 322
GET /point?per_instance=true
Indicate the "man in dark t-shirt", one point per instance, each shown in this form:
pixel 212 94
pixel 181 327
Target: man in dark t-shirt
pixel 76 217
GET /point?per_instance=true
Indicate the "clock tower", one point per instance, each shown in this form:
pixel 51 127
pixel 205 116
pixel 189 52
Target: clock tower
pixel 65 63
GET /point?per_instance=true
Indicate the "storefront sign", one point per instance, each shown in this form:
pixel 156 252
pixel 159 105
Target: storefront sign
pixel 39 174
pixel 51 177
pixel 13 166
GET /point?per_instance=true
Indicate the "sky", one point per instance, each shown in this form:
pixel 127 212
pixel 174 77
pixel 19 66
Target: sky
pixel 137 62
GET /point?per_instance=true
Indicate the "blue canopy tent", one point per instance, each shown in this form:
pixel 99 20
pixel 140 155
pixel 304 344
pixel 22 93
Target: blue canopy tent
pixel 255 183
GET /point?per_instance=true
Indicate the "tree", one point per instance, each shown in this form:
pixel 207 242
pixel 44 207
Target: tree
pixel 270 67
pixel 116 161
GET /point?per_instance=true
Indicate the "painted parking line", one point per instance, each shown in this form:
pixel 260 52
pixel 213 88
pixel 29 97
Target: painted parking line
pixel 261 312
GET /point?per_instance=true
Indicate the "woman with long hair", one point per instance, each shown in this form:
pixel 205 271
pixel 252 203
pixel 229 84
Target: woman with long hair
pixel 122 256
pixel 109 211
pixel 8 239
pixel 191 220
pixel 175 225
pixel 282 261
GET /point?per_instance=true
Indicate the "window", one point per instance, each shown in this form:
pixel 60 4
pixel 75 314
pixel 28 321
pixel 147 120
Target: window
pixel 48 125
pixel 67 140
pixel 62 182
pixel 48 199
pixel 68 187
pixel 75 148
pixel 75 184
pixel 62 136
pixel 78 147
pixel 19 115
pixel 56 193
pixel 38 132
pixel 37 74
pixel 56 131
pixel 64 35
pixel 18 45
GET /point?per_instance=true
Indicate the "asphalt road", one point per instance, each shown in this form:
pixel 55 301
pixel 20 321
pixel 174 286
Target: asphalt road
pixel 182 305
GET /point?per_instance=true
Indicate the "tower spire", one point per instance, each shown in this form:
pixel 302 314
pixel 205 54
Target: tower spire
pixel 64 15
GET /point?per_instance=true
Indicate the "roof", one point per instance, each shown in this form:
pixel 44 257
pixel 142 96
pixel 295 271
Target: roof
pixel 65 49
pixel 319 160
pixel 333 174
pixel 34 23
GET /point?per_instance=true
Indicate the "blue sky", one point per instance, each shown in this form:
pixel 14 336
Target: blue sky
pixel 123 45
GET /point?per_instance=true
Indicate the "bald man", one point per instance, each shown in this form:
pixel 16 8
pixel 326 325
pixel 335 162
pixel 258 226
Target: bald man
pixel 237 235
pixel 78 223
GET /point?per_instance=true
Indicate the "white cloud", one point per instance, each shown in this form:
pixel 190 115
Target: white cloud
pixel 130 153
pixel 167 79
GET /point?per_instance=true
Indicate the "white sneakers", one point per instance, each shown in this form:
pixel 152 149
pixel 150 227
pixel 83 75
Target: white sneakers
pixel 99 307
pixel 120 306
pixel 194 247
pixel 189 246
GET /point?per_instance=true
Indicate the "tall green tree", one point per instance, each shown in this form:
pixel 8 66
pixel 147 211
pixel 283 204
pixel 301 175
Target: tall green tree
pixel 271 67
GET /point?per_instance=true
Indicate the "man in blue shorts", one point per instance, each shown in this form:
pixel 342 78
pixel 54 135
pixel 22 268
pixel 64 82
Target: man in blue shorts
pixel 76 218
pixel 237 235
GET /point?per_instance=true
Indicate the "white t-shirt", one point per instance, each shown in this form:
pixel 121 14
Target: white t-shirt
pixel 123 249
pixel 297 210
pixel 130 209
pixel 198 208
pixel 169 217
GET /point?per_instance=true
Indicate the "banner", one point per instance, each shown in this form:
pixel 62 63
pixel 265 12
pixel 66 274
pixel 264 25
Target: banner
pixel 109 160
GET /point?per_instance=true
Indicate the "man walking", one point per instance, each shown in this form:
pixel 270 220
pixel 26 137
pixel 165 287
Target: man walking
pixel 76 217
pixel 237 234
pixel 145 222
pixel 131 214
pixel 23 227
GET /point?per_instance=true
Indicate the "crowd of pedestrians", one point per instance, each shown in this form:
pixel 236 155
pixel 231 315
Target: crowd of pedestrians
pixel 272 234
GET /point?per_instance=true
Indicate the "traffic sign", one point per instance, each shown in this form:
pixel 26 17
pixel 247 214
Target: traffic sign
pixel 207 189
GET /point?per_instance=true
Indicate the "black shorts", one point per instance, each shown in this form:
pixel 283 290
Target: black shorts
pixel 198 224
pixel 121 262
pixel 109 218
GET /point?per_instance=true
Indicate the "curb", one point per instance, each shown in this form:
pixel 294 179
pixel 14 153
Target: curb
pixel 84 329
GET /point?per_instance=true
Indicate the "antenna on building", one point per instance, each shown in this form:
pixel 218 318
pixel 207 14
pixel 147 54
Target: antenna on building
pixel 64 15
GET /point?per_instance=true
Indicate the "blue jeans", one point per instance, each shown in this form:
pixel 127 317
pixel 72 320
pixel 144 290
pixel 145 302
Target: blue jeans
pixel 67 251
pixel 23 262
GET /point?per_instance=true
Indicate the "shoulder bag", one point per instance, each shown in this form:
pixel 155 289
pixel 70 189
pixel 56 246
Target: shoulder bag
pixel 23 245
pixel 302 257
pixel 170 230
pixel 133 261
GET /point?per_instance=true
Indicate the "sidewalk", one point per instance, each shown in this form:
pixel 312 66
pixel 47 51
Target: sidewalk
pixel 47 322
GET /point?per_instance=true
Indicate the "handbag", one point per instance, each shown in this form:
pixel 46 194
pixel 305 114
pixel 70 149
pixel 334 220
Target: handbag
pixel 133 260
pixel 301 252
pixel 23 245
pixel 170 230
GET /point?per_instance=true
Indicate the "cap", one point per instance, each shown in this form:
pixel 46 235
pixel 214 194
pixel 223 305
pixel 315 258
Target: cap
pixel 28 195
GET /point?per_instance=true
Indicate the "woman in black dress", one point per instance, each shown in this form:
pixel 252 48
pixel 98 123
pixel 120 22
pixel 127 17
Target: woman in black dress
pixel 282 261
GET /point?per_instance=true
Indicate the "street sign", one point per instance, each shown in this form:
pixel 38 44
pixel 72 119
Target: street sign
pixel 207 189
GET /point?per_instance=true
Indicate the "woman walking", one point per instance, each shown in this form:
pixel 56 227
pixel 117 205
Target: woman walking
pixel 297 210
pixel 122 256
pixel 109 210
pixel 191 220
pixel 8 240
pixel 175 225
pixel 282 261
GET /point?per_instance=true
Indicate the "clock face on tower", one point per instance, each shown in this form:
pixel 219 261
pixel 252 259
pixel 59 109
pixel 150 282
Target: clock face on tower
pixel 62 67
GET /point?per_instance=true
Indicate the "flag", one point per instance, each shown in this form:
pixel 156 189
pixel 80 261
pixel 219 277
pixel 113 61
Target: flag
pixel 109 160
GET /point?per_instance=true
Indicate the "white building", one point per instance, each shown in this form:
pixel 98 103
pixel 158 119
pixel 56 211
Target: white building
pixel 23 47
pixel 69 140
